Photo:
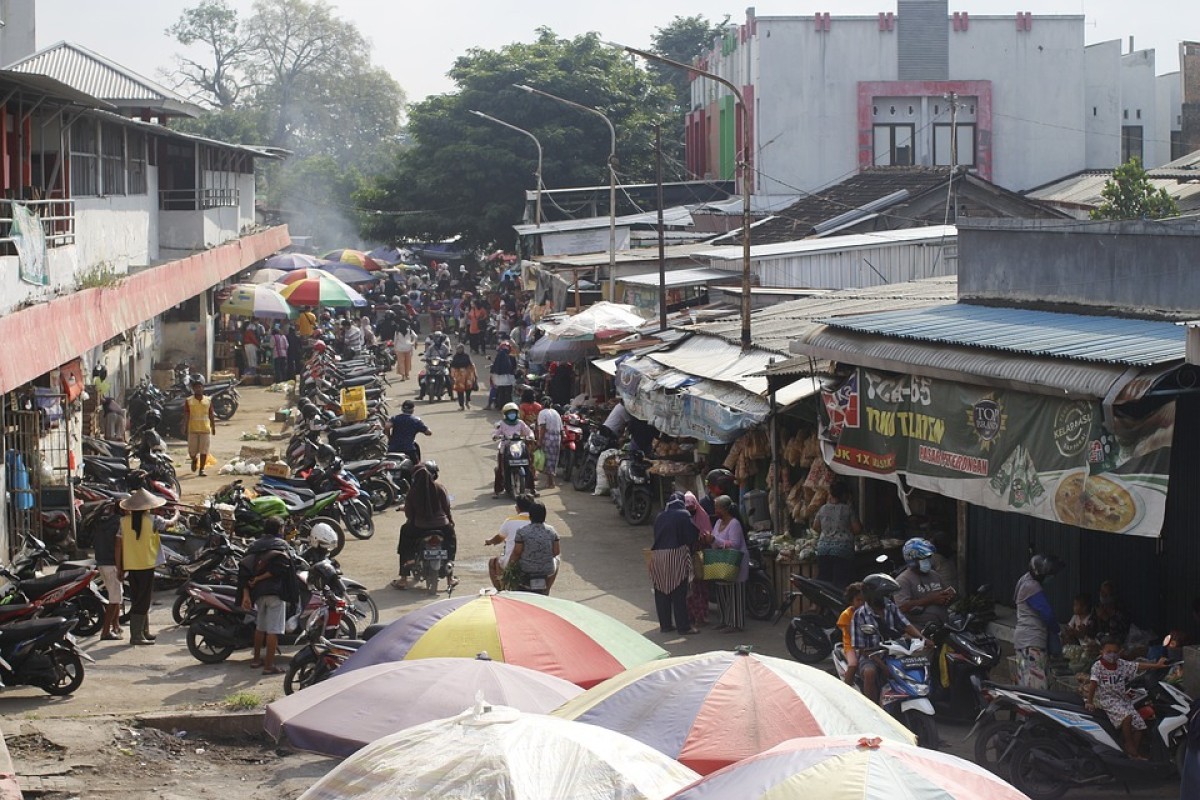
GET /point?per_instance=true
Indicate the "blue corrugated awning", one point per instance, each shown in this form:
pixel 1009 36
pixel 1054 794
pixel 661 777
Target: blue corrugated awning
pixel 1047 334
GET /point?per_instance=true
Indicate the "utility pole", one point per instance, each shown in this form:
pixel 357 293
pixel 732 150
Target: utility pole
pixel 662 236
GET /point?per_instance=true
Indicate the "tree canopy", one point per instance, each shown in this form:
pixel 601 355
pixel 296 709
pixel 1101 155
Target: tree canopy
pixel 1128 194
pixel 466 176
pixel 682 39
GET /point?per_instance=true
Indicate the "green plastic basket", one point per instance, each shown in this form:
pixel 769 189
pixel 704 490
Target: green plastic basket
pixel 722 565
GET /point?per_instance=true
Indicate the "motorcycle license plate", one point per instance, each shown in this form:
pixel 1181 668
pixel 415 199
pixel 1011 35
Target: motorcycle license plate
pixel 915 661
pixel 537 583
pixel 435 555
pixel 520 462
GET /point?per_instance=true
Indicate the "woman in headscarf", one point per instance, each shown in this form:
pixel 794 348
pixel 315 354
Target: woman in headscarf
pixel 368 332
pixel 462 373
pixel 671 565
pixel 426 509
pixel 503 375
pixel 697 600
pixel 731 595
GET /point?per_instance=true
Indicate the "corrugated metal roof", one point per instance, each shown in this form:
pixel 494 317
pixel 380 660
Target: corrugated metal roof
pixel 678 277
pixel 1083 190
pixel 638 255
pixel 93 74
pixel 926 235
pixel 677 216
pixel 774 328
pixel 1078 337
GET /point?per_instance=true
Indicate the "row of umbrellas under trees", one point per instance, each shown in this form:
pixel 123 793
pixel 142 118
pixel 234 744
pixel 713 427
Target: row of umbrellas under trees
pixel 564 701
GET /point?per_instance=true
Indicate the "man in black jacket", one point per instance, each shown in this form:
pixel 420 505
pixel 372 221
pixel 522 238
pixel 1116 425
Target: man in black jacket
pixel 264 578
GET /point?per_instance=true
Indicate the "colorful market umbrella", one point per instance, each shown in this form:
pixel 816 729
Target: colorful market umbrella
pixel 346 712
pixel 388 255
pixel 290 261
pixel 498 752
pixel 321 290
pixel 356 257
pixel 343 272
pixel 268 275
pixel 713 709
pixel 257 300
pixel 851 768
pixel 559 637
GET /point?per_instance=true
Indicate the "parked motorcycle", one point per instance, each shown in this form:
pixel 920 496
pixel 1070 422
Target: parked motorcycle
pixel 811 636
pixel 70 593
pixel 631 495
pixel 300 514
pixel 584 476
pixel 42 653
pixel 319 656
pixel 962 662
pixel 905 683
pixel 576 428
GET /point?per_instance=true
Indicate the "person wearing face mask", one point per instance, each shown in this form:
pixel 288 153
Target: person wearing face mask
pixel 510 425
pixel 1107 690
pixel 1035 638
pixel 924 596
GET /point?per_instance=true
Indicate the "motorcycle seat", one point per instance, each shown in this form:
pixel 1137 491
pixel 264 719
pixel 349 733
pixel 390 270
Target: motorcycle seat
pixel 107 461
pixel 346 431
pixel 349 644
pixel 362 466
pixel 359 380
pixel 298 483
pixel 217 588
pixel 1070 700
pixel 36 587
pixel 355 441
pixel 28 628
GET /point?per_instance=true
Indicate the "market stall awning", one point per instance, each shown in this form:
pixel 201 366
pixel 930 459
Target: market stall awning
pixel 680 277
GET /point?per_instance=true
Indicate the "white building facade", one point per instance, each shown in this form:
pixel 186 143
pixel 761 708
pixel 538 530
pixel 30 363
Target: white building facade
pixel 1019 98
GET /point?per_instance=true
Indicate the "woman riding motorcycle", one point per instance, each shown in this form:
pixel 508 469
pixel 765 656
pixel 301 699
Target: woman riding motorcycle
pixel 509 426
pixel 426 510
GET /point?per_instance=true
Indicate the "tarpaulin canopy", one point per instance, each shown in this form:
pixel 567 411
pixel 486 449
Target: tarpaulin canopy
pixel 598 321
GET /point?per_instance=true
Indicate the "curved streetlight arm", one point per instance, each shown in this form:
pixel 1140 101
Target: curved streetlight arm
pixel 744 168
pixel 538 202
pixel 612 180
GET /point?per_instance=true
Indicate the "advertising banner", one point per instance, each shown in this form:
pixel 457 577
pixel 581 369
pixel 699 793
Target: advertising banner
pixel 1039 455
pixel 30 242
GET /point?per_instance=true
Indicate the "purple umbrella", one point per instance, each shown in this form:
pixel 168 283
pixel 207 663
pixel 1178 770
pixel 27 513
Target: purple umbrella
pixel 289 261
pixel 387 255
pixel 347 273
pixel 349 711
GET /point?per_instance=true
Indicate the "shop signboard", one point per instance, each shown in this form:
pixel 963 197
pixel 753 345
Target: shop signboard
pixel 1055 458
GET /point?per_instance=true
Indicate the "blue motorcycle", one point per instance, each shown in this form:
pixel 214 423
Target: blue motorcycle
pixel 905 692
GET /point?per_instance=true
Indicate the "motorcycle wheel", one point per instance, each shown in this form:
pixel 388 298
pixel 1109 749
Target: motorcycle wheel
pixel 991 742
pixel 1037 781
pixel 430 576
pixel 307 525
pixel 68 668
pixel 924 727
pixel 346 629
pixel 300 672
pixel 89 615
pixel 224 407
pixel 584 479
pixel 181 608
pixel 760 597
pixel 359 521
pixel 205 651
pixel 807 642
pixel 383 494
pixel 516 482
pixel 637 512
pixel 566 465
pixel 365 603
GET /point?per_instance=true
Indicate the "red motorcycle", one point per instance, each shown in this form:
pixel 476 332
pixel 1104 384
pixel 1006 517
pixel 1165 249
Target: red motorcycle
pixel 576 428
pixel 70 593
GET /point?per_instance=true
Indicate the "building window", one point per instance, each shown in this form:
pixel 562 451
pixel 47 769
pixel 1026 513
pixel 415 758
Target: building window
pixel 965 156
pixel 1131 142
pixel 136 142
pixel 112 161
pixel 894 145
pixel 85 159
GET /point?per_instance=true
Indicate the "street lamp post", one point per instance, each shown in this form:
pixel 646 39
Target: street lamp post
pixel 612 181
pixel 537 206
pixel 744 168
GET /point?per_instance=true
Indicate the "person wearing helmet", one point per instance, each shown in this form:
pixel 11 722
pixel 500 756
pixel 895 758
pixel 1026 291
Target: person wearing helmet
pixel 924 596
pixel 1035 637
pixel 437 345
pixel 200 422
pixel 402 431
pixel 716 483
pixel 878 619
pixel 510 425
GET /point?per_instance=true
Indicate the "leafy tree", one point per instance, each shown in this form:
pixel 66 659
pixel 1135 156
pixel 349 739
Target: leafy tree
pixel 1128 194
pixel 214 25
pixel 682 40
pixel 465 176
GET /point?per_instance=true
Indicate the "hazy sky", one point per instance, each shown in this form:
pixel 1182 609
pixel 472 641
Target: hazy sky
pixel 418 40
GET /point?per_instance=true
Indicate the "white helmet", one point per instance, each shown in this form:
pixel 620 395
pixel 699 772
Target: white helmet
pixel 322 535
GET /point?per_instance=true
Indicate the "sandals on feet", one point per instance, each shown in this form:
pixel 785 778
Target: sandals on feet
pixel 273 671
pixel 256 663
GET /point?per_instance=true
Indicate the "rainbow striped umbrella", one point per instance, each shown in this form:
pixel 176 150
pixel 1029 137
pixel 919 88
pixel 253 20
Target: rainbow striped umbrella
pixel 562 638
pixel 851 768
pixel 321 289
pixel 356 257
pixel 257 300
pixel 710 710
pixel 346 273
pixel 290 261
pixel 268 275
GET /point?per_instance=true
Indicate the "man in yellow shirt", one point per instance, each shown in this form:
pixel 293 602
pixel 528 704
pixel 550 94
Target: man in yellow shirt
pixel 200 422
pixel 306 323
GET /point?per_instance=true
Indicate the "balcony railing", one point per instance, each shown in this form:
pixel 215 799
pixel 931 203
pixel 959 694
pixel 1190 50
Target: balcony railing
pixel 57 218
pixel 197 199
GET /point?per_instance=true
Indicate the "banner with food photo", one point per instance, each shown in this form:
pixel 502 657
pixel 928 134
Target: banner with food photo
pixel 1048 457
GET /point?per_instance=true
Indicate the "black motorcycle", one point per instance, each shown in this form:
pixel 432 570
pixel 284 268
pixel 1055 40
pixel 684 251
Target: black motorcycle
pixel 516 464
pixel 632 492
pixel 810 636
pixel 41 652
pixel 434 380
pixel 584 476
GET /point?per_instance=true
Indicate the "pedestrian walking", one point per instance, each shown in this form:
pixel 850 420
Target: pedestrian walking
pixel 200 422
pixel 279 353
pixel 106 544
pixel 671 565
pixel 549 432
pixel 403 343
pixel 463 375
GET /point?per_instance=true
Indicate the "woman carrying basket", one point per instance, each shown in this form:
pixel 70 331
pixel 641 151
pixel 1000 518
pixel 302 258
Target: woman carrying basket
pixel 731 595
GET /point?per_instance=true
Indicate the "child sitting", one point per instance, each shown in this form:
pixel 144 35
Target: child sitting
pixel 855 599
pixel 1107 691
pixel 1081 626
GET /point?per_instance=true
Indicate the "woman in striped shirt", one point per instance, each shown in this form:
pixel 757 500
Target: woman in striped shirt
pixel 671 565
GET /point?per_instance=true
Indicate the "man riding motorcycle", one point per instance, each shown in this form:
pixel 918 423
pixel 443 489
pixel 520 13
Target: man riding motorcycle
pixel 509 426
pixel 402 431
pixel 924 596
pixel 880 613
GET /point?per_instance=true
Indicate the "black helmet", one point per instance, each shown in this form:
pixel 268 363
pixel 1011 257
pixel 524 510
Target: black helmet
pixel 1041 567
pixel 408 406
pixel 432 468
pixel 309 409
pixel 326 453
pixel 879 587
pixel 100 372
pixel 153 417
